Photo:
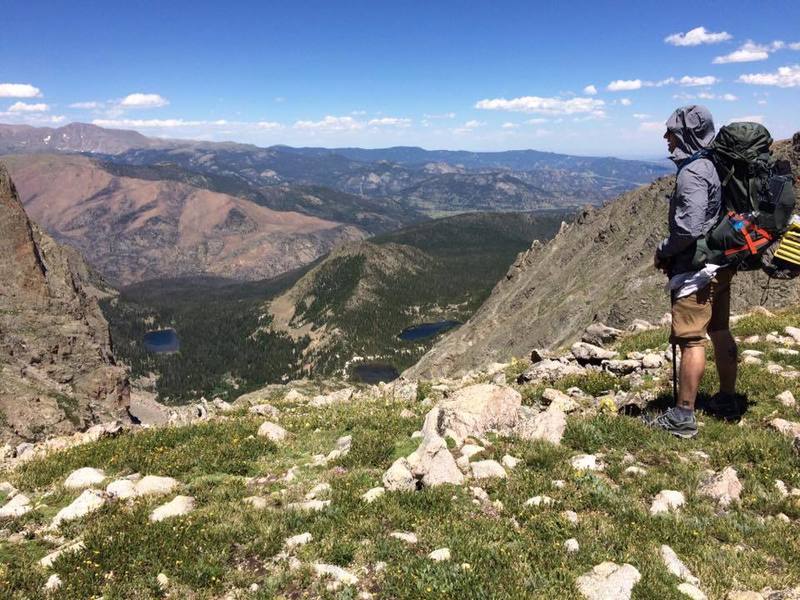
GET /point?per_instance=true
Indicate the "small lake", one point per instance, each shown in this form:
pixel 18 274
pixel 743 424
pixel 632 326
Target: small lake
pixel 162 341
pixel 373 373
pixel 426 330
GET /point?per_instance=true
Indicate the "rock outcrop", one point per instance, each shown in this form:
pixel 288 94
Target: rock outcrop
pixel 598 268
pixel 57 370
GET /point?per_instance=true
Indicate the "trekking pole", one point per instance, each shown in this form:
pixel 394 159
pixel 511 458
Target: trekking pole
pixel 675 373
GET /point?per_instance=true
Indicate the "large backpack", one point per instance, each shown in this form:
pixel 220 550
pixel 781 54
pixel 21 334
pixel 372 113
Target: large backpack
pixel 757 196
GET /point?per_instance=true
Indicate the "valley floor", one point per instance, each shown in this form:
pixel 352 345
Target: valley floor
pixel 269 515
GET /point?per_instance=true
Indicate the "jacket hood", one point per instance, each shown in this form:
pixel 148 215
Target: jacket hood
pixel 694 127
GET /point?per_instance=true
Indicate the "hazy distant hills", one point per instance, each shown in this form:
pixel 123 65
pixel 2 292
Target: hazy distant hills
pixel 75 137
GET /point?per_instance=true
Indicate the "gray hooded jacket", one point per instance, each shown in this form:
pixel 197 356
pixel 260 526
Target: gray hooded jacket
pixel 696 202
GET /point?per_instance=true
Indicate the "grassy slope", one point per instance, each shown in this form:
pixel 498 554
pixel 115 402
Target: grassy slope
pixel 510 553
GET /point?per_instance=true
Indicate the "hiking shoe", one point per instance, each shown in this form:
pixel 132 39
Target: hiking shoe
pixel 674 423
pixel 729 407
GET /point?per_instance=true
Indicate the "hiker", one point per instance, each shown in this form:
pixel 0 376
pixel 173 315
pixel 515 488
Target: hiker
pixel 700 299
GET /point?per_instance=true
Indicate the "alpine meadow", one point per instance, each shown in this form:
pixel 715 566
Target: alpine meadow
pixel 372 301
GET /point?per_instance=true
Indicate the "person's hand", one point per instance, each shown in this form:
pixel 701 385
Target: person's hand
pixel 660 263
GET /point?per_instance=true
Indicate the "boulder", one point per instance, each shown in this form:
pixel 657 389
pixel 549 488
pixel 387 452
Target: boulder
pixel 622 367
pixel 264 410
pixel 549 370
pixel 48 560
pixel 338 574
pixel 793 332
pixel 433 464
pixel 600 334
pixel 122 489
pixel 178 506
pixel 559 400
pixel 510 462
pixel 589 354
pixel 19 505
pixel 309 505
pixel 439 555
pixel 373 494
pixel 608 581
pixel 404 536
pixel 586 462
pixel 53 583
pixel 788 428
pixel 272 431
pixel 548 425
pixel 474 410
pixel 571 546
pixel 787 399
pixel 652 361
pixel 83 478
pixel 399 477
pixel 298 540
pixel 88 502
pixel 724 487
pixel 155 485
pixel 488 469
pixel 539 501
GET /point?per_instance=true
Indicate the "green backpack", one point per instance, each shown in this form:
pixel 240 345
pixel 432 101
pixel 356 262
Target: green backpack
pixel 757 197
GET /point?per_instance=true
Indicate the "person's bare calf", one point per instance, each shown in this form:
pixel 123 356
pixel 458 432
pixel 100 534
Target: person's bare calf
pixel 693 364
pixel 725 357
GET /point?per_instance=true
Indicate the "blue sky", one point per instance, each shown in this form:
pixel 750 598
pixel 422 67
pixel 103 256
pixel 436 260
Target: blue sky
pixel 462 75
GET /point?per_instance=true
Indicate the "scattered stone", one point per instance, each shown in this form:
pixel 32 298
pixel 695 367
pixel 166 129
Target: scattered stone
pixel 539 501
pixel 752 339
pixel 774 369
pixel 558 483
pixel 667 501
pixel 488 469
pixel 178 506
pixel 399 477
pixel 600 334
pixel 298 540
pixel 676 567
pixel 474 410
pixel 744 596
pixel 586 462
pixel 155 485
pixel 318 490
pixel 548 426
pixel 404 536
pixel 622 367
pixel 373 494
pixel 83 478
pixel 470 450
pixel 559 400
pixel 589 354
pixel 793 332
pixel 338 574
pixel 652 361
pixel 122 489
pixel 19 505
pixel 571 545
pixel 440 555
pixel 291 474
pixel 789 428
pixel 48 560
pixel 256 502
pixel 479 494
pixel 609 581
pixel 751 360
pixel 7 451
pixel 638 325
pixel 272 431
pixel 309 505
pixel 162 580
pixel 53 583
pixel 510 462
pixel 294 396
pixel 724 487
pixel 407 414
pixel 7 488
pixel 755 353
pixel 692 591
pixel 636 470
pixel 88 502
pixel 786 399
pixel 264 410
pixel 571 516
pixel 780 486
pixel 783 518
pixel 787 351
pixel 550 370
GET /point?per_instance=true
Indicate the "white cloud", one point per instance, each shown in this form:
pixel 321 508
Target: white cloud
pixel 448 115
pixel 546 106
pixel 625 85
pixel 784 77
pixel 641 116
pixel 148 123
pixel 474 123
pixel 537 121
pixel 390 122
pixel 25 107
pixel 749 118
pixel 687 81
pixel 794 46
pixel 19 90
pixel 761 102
pixel 86 105
pixel 590 90
pixel 330 123
pixel 139 100
pixel 509 125
pixel 697 36
pixel 268 125
pixel 625 101
pixel 749 52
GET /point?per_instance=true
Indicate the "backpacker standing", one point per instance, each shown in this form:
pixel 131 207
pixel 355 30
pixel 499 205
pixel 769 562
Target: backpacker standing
pixel 700 299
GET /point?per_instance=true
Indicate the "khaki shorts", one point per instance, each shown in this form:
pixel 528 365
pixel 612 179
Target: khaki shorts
pixel 702 312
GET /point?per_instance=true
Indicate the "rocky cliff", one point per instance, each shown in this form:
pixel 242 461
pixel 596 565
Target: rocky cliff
pixel 599 267
pixel 57 369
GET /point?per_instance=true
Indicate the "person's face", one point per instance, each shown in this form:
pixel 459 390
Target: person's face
pixel 672 141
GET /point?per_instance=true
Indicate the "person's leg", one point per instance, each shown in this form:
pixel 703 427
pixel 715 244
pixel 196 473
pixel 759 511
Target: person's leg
pixel 725 357
pixel 693 364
